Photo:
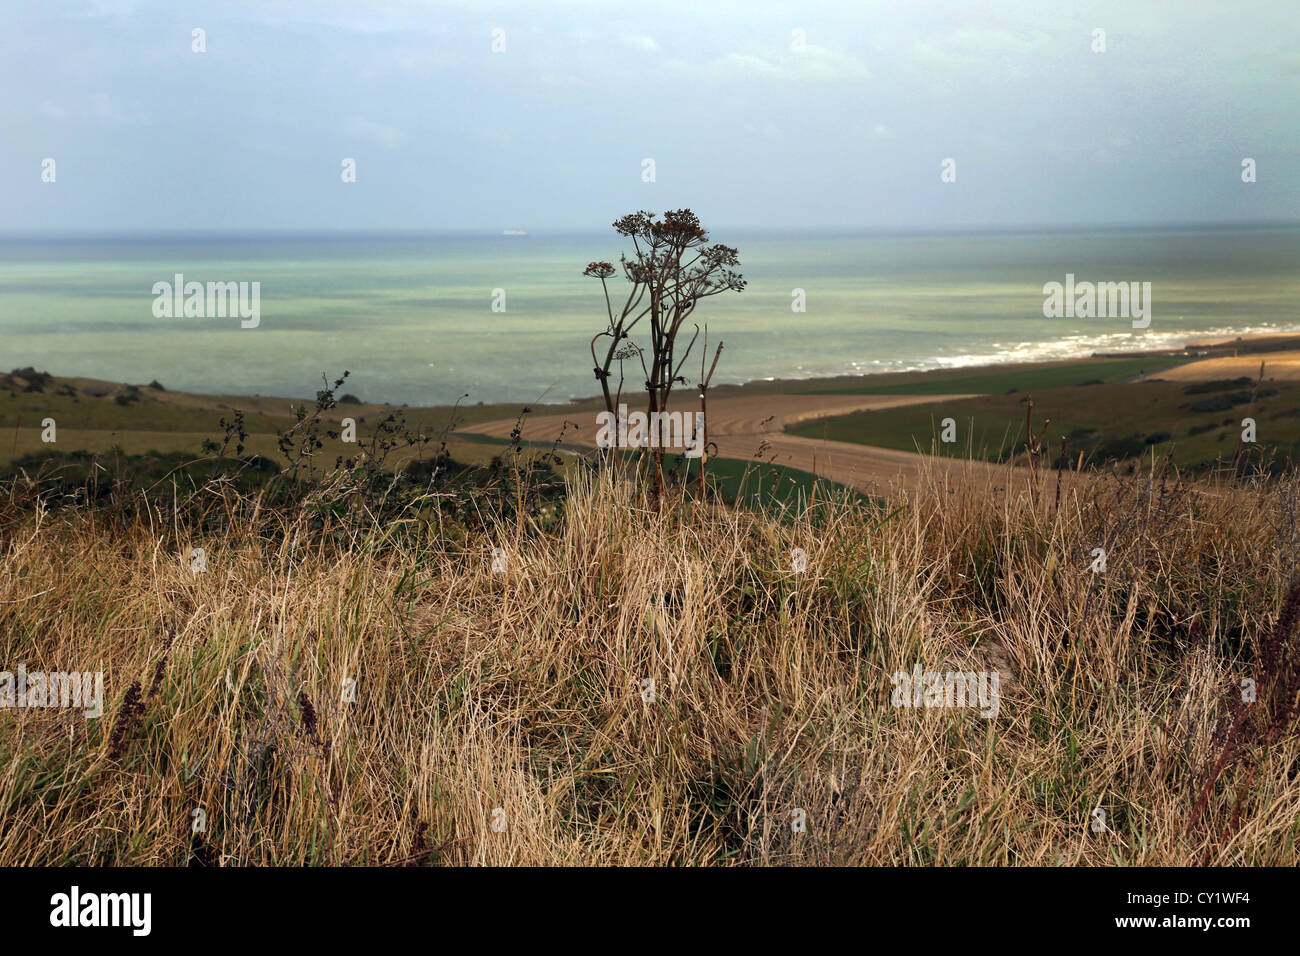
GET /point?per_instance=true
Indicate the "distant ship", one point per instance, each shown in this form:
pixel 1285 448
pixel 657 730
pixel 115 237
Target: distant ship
pixel 513 232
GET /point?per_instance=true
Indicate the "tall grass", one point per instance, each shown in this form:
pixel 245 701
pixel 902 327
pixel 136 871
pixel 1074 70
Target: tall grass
pixel 522 689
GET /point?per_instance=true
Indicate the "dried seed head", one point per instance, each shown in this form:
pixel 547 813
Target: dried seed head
pixel 308 714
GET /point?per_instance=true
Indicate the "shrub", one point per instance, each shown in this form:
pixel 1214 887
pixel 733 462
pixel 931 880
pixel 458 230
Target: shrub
pixel 1218 385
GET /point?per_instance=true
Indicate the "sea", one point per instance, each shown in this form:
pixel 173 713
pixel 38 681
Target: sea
pixel 422 320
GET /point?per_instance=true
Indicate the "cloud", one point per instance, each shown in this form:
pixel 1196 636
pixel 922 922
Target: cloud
pixel 389 137
pixel 815 64
pixel 103 107
pixel 973 49
pixel 644 43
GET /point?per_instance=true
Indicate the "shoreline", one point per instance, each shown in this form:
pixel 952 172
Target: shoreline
pixel 1193 350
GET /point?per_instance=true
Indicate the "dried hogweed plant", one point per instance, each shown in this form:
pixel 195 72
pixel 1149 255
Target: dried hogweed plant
pixel 673 268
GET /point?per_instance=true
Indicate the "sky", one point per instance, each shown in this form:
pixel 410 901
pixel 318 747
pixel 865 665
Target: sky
pixel 472 116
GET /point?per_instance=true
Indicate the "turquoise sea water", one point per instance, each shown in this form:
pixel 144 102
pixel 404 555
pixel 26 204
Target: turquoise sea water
pixel 411 317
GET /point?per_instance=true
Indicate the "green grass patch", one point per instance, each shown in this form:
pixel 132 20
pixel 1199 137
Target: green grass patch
pixel 765 487
pixel 1119 421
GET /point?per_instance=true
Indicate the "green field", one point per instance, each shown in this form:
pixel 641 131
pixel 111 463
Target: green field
pixel 1121 421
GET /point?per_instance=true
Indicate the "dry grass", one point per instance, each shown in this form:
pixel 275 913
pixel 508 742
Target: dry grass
pixel 521 689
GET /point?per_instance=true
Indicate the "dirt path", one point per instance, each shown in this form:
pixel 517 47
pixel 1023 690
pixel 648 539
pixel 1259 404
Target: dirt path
pixel 750 429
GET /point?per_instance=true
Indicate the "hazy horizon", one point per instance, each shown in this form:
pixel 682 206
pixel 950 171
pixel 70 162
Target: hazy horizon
pixel 717 232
